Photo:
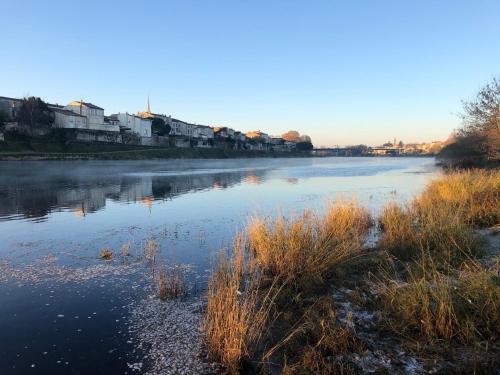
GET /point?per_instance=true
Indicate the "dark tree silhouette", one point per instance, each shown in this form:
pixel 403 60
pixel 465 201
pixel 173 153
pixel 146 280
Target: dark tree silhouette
pixel 304 146
pixel 160 127
pixel 478 141
pixel 34 113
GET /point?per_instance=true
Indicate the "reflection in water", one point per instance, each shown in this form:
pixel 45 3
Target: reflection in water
pixel 82 193
pixel 253 179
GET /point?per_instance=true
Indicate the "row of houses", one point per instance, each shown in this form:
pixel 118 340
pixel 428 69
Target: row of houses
pixel 430 148
pixel 86 116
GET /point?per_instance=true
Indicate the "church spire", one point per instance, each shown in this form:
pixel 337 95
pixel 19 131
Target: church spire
pixel 149 108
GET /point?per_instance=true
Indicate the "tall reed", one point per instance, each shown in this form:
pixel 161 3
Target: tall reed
pixel 464 308
pixel 245 293
pixel 415 229
pixel 308 246
pixel 237 311
pixel 441 290
pixel 474 195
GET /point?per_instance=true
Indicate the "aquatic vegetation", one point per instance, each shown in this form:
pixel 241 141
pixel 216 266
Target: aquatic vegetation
pixel 440 222
pixel 150 249
pixel 125 250
pixel 308 246
pixel 171 283
pixel 436 232
pixel 464 307
pixel 237 312
pixel 271 305
pixel 474 195
pixel 106 254
pixel 437 288
pixel 261 285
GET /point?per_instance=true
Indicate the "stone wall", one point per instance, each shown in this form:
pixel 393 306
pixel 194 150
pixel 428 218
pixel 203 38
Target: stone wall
pixel 95 136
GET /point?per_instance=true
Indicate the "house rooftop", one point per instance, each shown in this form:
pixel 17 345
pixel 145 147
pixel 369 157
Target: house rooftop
pixel 66 112
pixel 7 98
pixel 86 104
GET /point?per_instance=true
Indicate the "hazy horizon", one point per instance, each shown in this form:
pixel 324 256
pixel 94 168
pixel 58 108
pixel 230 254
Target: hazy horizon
pixel 343 73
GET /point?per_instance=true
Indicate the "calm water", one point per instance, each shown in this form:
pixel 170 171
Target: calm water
pixel 65 311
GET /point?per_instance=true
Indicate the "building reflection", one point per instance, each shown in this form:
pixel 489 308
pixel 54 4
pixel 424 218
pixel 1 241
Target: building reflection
pixel 36 197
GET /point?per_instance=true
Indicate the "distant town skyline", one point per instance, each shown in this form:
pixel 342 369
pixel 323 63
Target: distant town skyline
pixel 343 73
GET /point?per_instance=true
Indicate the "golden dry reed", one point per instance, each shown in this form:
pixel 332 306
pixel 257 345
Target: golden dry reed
pixel 171 283
pixel 236 313
pixel 308 246
pixel 436 289
pixel 443 291
pixel 244 290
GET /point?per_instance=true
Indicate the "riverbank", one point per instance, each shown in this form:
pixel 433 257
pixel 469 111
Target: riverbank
pixel 306 295
pixel 149 154
pixel 68 213
pixel 19 148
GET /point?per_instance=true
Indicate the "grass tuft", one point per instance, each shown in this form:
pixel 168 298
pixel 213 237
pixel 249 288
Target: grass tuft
pixel 474 195
pixel 464 308
pixel 106 254
pixel 171 283
pixel 260 284
pixel 236 311
pixel 307 247
pixel 125 250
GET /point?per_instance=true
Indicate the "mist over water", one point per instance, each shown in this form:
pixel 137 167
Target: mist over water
pixel 56 217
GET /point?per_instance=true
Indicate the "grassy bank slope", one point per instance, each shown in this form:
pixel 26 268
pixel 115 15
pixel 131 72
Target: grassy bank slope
pixel 51 148
pixel 303 295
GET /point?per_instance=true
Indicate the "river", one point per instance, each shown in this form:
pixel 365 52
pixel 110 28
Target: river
pixel 65 310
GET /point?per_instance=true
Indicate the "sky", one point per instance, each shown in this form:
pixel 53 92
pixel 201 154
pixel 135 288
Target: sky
pixel 343 72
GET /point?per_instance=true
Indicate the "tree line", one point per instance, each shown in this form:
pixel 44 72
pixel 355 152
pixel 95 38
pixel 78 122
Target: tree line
pixel 477 142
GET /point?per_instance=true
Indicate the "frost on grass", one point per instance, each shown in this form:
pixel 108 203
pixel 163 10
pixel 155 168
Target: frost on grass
pixel 381 354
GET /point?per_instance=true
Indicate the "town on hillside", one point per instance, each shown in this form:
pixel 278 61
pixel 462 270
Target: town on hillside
pixel 82 121
pixel 390 148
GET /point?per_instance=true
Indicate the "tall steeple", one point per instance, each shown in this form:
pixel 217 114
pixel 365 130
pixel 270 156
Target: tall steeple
pixel 148 110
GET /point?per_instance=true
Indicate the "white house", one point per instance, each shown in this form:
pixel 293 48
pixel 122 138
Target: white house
pixel 258 135
pixel 94 116
pixel 10 106
pixel 181 128
pixel 68 119
pixel 224 132
pixel 135 124
pixel 202 136
pixel 203 131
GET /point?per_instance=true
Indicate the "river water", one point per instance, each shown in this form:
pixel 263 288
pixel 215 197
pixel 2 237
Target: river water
pixel 65 310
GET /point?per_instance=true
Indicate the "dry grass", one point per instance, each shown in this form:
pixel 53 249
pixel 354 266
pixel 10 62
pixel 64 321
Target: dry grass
pixel 308 246
pixel 106 254
pixel 464 308
pixel 237 311
pixel 125 250
pixel 411 231
pixel 442 291
pixel 151 249
pixel 261 310
pixel 473 195
pixel 171 283
pixel 314 345
pixel 252 289
pixel 440 221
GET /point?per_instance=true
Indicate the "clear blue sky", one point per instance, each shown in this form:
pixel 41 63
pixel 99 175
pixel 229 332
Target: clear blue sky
pixel 343 72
